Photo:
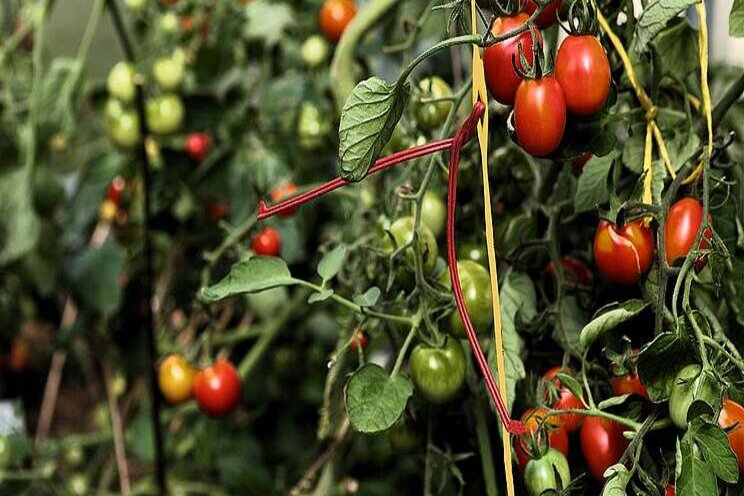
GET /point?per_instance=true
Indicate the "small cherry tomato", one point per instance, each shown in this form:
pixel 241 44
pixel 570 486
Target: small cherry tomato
pixel 475 283
pixel 78 484
pixel 557 435
pixel 217 210
pixel 583 71
pixel 550 471
pixel 683 394
pixel 402 231
pixel 623 254
pixel 501 79
pixel 168 72
pixel 431 115
pixel 165 114
pixel 433 212
pixel 438 373
pixel 124 129
pixel 547 17
pixel 176 379
pixel 360 340
pixel 115 189
pixel 733 413
pixel 312 127
pixel 120 82
pixel 217 389
pixel 314 51
pixel 682 225
pixel 566 400
pixel 197 146
pixel 283 192
pixel 267 242
pixel 602 443
pixel 669 490
pixel 335 15
pixel 169 23
pixel 575 271
pixel 539 115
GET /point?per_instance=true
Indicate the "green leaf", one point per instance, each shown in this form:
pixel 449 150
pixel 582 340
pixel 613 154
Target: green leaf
pixel 654 19
pixel 571 383
pixel 658 364
pixel 95 275
pixel 369 298
pixel 250 276
pixel 19 224
pixel 592 187
pixel 367 122
pixel 633 150
pixel 331 263
pixel 673 47
pixel 735 288
pixel 617 477
pixel 322 295
pixel 608 317
pixel 572 319
pixel 736 19
pixel 714 445
pixel 376 400
pixel 695 477
pixel 613 401
pixel 267 21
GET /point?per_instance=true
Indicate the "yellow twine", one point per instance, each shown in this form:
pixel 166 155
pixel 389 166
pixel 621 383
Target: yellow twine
pixel 647 152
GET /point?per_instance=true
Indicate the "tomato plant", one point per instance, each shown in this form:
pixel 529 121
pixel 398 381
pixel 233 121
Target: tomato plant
pixel 438 373
pixel 602 443
pixel 550 471
pixel 623 254
pixel 217 388
pixel 683 394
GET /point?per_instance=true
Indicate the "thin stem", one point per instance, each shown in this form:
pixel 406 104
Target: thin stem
pixel 484 447
pixel 595 412
pixel 721 349
pixel 403 350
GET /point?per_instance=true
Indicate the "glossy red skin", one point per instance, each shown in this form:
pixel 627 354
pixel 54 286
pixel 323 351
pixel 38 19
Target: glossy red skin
pixel 575 271
pixel 217 389
pixel 547 17
pixel 217 210
pixel 627 384
pixel 115 189
pixel 583 71
pixel 267 242
pixel 360 340
pixel 557 436
pixel 197 146
pixel 623 254
pixel 566 401
pixel 501 79
pixel 733 413
pixel 335 15
pixel 282 193
pixel 539 115
pixel 602 443
pixel 682 224
pixel 669 490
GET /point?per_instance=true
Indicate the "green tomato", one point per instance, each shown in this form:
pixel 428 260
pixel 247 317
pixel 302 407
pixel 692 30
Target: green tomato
pixel 165 114
pixel 402 231
pixel 473 251
pixel 314 50
pixel 135 5
pixel 124 130
pixel 683 394
pixel 433 212
pixel 476 290
pixel 74 456
pixel 169 23
pixel 399 140
pixel 78 484
pixel 168 72
pixel 438 373
pixel 540 473
pixel 312 127
pixel 6 453
pixel 120 82
pixel 432 114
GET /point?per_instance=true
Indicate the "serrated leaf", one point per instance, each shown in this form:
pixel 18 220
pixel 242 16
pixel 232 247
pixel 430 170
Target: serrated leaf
pixel 736 19
pixel 322 295
pixel 617 477
pixel 368 119
pixel 714 445
pixel 609 317
pixel 592 187
pixel 331 263
pixel 655 17
pixel 376 400
pixel 369 298
pixel 613 401
pixel 250 276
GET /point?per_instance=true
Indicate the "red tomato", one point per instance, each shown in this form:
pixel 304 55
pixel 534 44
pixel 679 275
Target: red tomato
pixel 603 444
pixel 733 413
pixel 575 271
pixel 501 79
pixel 539 115
pixel 282 193
pixel 197 146
pixel 217 388
pixel 360 340
pixel 335 15
pixel 557 436
pixel 628 383
pixel 217 210
pixel 669 490
pixel 565 401
pixel 581 161
pixel 623 254
pixel 583 71
pixel 682 224
pixel 267 242
pixel 115 189
pixel 547 17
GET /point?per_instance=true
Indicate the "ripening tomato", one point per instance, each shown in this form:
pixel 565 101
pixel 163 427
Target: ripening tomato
pixel 360 340
pixel 539 115
pixel 429 114
pixel 283 192
pixel 733 413
pixel 557 435
pixel 438 373
pixel 115 189
pixel 217 388
pixel 120 82
pixel 197 146
pixel 623 254
pixel 267 242
pixel 583 71
pixel 682 224
pixel 433 212
pixel 402 231
pixel 566 401
pixel 575 271
pixel 547 17
pixel 627 381
pixel 603 444
pixel 335 15
pixel 176 379
pixel 501 79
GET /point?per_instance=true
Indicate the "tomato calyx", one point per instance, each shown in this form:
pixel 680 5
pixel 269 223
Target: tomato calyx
pixel 581 19
pixel 540 66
